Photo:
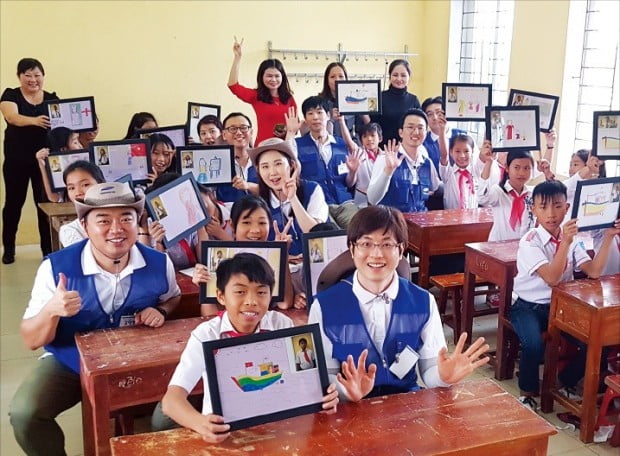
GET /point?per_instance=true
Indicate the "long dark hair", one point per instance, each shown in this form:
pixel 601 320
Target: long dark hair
pixel 137 121
pixel 263 189
pixel 584 154
pixel 326 93
pixel 83 165
pixel 284 91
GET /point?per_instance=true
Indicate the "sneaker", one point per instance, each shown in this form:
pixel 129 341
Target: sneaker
pixel 493 300
pixel 529 402
pixel 570 392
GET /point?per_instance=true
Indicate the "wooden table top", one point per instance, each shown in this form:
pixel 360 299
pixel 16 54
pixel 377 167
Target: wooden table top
pixel 186 285
pixel 450 217
pixel 455 420
pixel 58 209
pixel 601 293
pixel 503 251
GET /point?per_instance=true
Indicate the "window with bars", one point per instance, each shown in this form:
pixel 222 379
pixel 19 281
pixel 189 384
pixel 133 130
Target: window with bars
pixel 479 51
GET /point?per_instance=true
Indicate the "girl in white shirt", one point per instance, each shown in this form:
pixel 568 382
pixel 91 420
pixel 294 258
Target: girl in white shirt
pixel 460 180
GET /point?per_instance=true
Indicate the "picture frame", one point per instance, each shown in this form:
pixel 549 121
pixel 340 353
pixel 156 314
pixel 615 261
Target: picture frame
pixel 77 114
pixel 606 135
pixel 127 178
pixel 213 252
pixel 547 104
pixel 57 162
pixel 513 127
pixel 118 158
pixel 356 97
pixel 319 249
pixel 597 203
pixel 264 366
pixel 211 165
pixel 176 133
pixel 465 102
pixel 195 112
pixel 179 207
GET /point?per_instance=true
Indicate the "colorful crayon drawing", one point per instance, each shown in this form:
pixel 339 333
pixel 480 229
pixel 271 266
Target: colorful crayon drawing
pixel 256 379
pixel 357 96
pixel 595 204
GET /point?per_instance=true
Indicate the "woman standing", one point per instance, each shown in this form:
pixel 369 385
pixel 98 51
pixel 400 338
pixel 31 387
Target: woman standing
pixel 25 134
pixel 334 72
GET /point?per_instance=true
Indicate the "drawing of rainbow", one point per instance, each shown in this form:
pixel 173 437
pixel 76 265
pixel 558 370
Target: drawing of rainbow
pixel 269 374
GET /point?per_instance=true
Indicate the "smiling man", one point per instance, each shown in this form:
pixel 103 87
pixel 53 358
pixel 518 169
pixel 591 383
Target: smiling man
pixel 104 281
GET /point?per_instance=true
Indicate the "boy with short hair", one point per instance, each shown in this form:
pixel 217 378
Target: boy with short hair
pixel 244 286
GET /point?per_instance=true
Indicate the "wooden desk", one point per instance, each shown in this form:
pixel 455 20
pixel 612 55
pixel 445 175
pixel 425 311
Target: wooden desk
pixel 590 311
pixel 444 232
pixel 468 419
pixel 58 214
pixel 494 262
pixel 123 367
pixel 189 306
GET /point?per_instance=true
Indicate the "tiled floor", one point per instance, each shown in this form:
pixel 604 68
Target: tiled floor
pixel 16 361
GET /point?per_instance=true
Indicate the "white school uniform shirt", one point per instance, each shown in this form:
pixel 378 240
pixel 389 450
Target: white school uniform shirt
pixel 301 359
pixel 363 179
pixel 450 175
pixel 536 249
pixel 192 367
pixel 325 148
pixel 380 182
pixel 613 257
pixel 376 311
pixel 501 202
pixel 317 207
pixel 71 232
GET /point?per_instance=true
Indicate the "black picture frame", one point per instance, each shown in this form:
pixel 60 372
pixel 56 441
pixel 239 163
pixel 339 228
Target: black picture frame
pixel 595 193
pixel 168 203
pixel 370 104
pixel 600 132
pixel 530 128
pixel 198 153
pixel 204 109
pixel 140 166
pixel 68 113
pixel 242 348
pixel 57 162
pixel 312 269
pixel 462 110
pixel 517 97
pixel 176 133
pixel 208 296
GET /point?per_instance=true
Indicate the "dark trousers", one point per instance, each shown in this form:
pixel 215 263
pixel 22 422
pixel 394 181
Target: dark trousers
pixel 17 172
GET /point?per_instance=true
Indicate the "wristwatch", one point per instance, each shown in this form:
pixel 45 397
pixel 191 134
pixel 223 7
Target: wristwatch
pixel 162 312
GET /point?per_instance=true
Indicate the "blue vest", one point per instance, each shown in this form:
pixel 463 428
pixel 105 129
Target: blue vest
pixel 432 147
pixel 296 247
pixel 228 194
pixel 404 195
pixel 147 284
pixel 313 168
pixel 344 325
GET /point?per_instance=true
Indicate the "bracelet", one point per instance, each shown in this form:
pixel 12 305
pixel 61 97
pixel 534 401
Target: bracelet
pixel 550 147
pixel 143 234
pixel 162 312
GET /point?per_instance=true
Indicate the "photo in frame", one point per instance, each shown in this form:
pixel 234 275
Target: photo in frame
pixel 213 252
pixel 210 165
pixel 597 203
pixel 195 112
pixel 77 114
pixel 606 135
pixel 118 158
pixel 466 102
pixel 319 249
pixel 513 127
pixel 176 133
pixel 358 97
pixel 258 378
pixel 57 162
pixel 547 104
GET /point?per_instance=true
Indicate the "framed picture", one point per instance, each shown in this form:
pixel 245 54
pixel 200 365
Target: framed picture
pixel 465 102
pixel 118 158
pixel 606 135
pixel 319 248
pixel 358 97
pixel 179 207
pixel 57 162
pixel 597 203
pixel 213 252
pixel 195 112
pixel 77 114
pixel 127 178
pixel 513 127
pixel 210 165
pixel 547 105
pixel 176 133
pixel 267 376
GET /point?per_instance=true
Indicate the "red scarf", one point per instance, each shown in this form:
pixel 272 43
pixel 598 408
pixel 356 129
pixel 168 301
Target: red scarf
pixel 464 179
pixel 191 257
pixel 518 206
pixel 306 356
pixel 555 242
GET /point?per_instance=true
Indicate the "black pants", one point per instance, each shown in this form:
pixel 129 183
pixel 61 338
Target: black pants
pixel 17 172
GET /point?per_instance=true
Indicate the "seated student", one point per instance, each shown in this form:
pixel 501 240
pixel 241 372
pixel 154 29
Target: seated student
pixel 140 121
pixel 86 138
pixel 461 178
pixel 244 286
pixel 376 316
pixel 547 256
pixel 209 130
pixel 219 226
pixel 583 165
pixel 162 155
pixel 404 177
pixel 102 282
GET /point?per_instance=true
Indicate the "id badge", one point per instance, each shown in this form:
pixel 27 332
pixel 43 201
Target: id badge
pixel 127 320
pixel 342 169
pixel 405 361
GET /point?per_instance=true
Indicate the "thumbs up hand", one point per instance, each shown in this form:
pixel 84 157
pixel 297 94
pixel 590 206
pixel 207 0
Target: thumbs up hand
pixel 65 303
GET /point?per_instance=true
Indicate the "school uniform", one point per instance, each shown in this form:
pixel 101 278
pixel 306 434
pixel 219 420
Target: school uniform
pixel 227 193
pixel 512 212
pixel 363 178
pixel 305 359
pixel 460 186
pixel 431 144
pixel 71 232
pixel 613 257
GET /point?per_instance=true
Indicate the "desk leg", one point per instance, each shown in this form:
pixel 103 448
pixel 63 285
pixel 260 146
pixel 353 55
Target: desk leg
pixel 467 311
pixel 550 372
pixel 53 235
pixel 505 351
pixel 424 269
pixel 590 388
pixel 96 418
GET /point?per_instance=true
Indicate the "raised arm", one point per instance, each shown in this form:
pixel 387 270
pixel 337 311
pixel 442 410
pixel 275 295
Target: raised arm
pixel 41 155
pixel 595 267
pixel 233 77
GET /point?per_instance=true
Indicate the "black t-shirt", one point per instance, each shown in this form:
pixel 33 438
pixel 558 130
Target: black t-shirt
pixel 395 102
pixel 25 141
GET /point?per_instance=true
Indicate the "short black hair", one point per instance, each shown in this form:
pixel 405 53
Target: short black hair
pixel 413 112
pixel 370 128
pixel 314 102
pixel 254 267
pixel 209 119
pixel 373 218
pixel 248 203
pixel 89 167
pixel 28 63
pixel 236 114
pixel 303 339
pixel 58 138
pixel 462 138
pixel 162 180
pixel 325 226
pixel 430 101
pixel 137 122
pixel 547 190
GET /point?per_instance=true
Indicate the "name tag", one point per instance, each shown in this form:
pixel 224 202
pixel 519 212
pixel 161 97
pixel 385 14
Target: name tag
pixel 342 169
pixel 405 361
pixel 127 320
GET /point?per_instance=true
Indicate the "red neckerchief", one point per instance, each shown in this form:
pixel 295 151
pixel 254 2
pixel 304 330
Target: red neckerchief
pixel 518 206
pixel 464 178
pixel 191 257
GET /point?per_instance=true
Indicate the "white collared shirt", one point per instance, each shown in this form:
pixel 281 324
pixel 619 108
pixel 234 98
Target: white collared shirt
pixel 501 202
pixel 325 148
pixel 613 259
pixel 452 191
pixel 317 207
pixel 192 363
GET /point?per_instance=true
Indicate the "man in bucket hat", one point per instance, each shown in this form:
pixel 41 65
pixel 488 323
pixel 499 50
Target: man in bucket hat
pixel 105 281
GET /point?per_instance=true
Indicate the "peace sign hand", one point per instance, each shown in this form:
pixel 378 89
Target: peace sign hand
pixel 283 235
pixel 237 48
pixel 392 161
pixel 289 190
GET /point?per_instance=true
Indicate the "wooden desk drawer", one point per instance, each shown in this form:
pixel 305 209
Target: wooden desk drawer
pixel 574 317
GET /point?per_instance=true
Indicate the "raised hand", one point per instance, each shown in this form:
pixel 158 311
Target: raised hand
pixel 614 230
pixel 283 235
pixel 237 51
pixel 551 138
pixel 41 155
pixel 354 159
pixel 486 151
pixel 569 230
pixel 392 160
pixel 456 366
pixel 593 164
pixel 239 183
pixel 201 274
pixel 293 124
pixel 356 380
pixel 157 232
pixel 544 167
pixel 64 303
pixel 289 190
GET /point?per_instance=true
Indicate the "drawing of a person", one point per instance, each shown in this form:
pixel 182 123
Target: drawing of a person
pixel 305 357
pixel 461 107
pixel 509 130
pixel 215 167
pixel 185 195
pixel 497 128
pixel 316 256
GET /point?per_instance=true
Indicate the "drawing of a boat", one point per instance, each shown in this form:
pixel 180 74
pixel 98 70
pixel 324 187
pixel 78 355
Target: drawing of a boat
pixel 354 100
pixel 269 374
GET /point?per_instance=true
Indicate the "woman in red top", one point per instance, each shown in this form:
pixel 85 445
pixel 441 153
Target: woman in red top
pixel 272 97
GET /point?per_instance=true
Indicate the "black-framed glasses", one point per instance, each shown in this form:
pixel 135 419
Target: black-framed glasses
pixel 235 129
pixel 386 246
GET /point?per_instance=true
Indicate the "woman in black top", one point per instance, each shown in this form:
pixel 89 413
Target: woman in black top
pixel 25 134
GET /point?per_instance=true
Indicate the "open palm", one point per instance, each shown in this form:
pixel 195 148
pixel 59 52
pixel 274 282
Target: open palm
pixel 456 366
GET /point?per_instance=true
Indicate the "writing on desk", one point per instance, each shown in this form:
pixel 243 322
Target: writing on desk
pixel 482 264
pixel 129 382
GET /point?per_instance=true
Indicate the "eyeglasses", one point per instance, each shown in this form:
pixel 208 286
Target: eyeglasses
pixel 412 128
pixel 242 129
pixel 386 247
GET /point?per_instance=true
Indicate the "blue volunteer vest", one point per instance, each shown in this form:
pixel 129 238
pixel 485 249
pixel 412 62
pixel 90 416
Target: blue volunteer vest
pixel 228 194
pixel 404 195
pixel 432 147
pixel 147 284
pixel 344 325
pixel 313 168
